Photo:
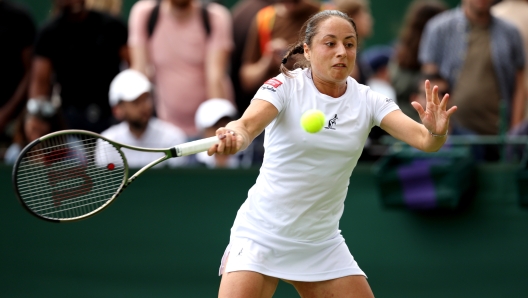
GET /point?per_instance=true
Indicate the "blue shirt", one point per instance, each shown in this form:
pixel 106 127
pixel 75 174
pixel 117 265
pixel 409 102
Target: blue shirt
pixel 444 43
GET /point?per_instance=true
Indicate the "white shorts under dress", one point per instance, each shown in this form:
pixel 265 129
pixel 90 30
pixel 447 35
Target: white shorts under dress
pixel 251 249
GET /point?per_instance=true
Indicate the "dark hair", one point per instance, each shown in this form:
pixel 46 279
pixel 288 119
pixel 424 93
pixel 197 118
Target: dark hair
pixel 306 34
pixel 419 13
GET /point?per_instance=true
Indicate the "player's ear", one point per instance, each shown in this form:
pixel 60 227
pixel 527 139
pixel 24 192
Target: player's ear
pixel 118 112
pixel 306 51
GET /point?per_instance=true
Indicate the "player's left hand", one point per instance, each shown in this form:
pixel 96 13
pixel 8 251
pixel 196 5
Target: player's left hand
pixel 435 117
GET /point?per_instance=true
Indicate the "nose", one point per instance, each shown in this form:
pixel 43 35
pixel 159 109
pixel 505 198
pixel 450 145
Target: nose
pixel 341 50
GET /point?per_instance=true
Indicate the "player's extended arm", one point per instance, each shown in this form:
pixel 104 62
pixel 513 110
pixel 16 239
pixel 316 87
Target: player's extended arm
pixel 216 73
pixel 435 119
pixel 519 99
pixel 40 83
pixel 257 116
pixel 7 110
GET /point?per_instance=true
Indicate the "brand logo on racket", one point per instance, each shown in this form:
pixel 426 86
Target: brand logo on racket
pixel 70 182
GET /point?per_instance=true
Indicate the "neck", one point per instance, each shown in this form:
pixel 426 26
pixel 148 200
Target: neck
pixel 181 12
pixel 477 18
pixel 332 89
pixel 136 130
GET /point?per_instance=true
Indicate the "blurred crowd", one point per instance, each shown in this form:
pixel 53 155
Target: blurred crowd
pixel 182 68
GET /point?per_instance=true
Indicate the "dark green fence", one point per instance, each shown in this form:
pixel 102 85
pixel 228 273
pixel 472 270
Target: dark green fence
pixel 164 238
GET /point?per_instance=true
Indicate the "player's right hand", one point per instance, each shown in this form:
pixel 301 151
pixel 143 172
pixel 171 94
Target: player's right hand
pixel 230 142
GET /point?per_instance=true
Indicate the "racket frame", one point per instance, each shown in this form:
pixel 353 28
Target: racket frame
pixel 169 153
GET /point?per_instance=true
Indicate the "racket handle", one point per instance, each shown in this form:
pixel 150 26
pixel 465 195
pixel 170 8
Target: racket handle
pixel 195 146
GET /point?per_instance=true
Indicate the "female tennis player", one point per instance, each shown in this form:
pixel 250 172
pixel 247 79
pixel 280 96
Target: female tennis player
pixel 288 228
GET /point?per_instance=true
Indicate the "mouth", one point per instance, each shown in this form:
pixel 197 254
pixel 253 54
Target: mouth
pixel 340 65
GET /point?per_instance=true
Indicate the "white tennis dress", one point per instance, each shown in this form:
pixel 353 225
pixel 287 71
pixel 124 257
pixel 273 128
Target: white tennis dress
pixel 288 227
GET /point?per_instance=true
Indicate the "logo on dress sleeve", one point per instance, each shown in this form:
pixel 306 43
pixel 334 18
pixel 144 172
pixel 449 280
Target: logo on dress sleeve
pixel 271 85
pixel 387 100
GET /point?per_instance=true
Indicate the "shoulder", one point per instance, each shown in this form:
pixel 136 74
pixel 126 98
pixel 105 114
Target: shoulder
pixel 219 14
pixel 115 131
pixel 143 6
pixel 504 25
pixel 166 130
pixel 446 19
pixel 218 9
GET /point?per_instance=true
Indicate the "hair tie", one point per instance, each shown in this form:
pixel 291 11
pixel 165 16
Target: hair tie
pixel 284 60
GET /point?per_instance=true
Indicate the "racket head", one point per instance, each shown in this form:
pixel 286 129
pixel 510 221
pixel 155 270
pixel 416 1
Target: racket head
pixel 69 175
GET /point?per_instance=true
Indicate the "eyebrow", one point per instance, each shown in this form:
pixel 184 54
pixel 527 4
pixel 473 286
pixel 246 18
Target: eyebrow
pixel 333 36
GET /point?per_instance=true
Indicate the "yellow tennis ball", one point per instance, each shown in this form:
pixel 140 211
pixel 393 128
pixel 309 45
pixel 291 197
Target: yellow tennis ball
pixel 312 121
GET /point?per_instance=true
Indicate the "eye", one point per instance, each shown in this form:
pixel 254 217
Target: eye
pixel 330 44
pixel 350 45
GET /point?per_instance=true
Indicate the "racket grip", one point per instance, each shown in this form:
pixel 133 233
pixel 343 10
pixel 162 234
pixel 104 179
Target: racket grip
pixel 195 146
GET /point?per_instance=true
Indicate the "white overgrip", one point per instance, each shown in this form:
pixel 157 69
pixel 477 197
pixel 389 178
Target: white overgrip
pixel 195 146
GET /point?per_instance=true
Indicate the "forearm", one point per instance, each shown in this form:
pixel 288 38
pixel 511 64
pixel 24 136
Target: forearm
pixel 253 75
pixel 216 87
pixel 40 81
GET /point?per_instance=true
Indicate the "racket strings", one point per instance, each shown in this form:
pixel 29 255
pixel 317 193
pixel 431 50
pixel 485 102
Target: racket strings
pixel 68 176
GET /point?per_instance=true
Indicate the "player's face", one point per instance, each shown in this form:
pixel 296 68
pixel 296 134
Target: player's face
pixel 332 54
pixel 138 112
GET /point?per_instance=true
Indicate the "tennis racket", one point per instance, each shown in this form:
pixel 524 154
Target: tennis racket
pixel 70 175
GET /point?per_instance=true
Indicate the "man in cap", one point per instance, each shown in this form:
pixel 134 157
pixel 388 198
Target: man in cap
pixel 131 102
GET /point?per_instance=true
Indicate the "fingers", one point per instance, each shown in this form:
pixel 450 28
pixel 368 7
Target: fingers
pixel 431 93
pixel 443 103
pixel 418 107
pixel 451 111
pixel 227 144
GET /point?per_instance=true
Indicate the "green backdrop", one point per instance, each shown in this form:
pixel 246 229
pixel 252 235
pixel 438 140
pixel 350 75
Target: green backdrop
pixel 388 15
pixel 165 235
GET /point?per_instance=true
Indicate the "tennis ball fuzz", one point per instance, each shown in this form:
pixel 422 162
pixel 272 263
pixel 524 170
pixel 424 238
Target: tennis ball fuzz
pixel 312 121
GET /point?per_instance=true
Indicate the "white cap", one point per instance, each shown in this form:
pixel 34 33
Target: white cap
pixel 212 110
pixel 128 85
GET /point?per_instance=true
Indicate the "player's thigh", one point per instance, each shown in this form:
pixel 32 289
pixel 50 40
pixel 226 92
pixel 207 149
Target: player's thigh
pixel 247 284
pixel 352 286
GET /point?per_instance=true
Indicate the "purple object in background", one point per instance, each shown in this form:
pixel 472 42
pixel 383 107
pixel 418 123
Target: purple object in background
pixel 417 184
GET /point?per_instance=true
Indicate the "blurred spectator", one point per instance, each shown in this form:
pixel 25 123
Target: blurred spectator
pixel 112 7
pixel 274 28
pixel 516 11
pixel 80 51
pixel 377 58
pixel 131 102
pixel 482 58
pixel 243 13
pixel 359 10
pixel 17 31
pixel 211 115
pixel 405 68
pixel 36 120
pixel 187 55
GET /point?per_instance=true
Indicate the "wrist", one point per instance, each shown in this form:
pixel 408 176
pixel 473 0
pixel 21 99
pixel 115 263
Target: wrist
pixel 435 135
